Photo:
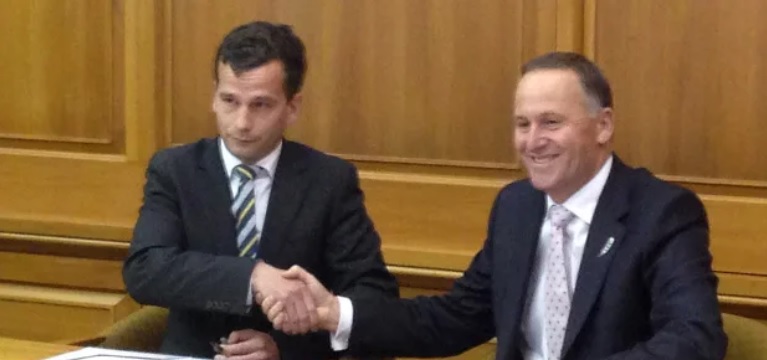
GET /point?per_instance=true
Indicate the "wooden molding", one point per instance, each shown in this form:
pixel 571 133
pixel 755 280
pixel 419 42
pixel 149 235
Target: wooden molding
pixel 570 18
pixel 56 138
pixel 63 246
pixel 58 154
pixel 434 162
pixel 77 228
pixel 589 28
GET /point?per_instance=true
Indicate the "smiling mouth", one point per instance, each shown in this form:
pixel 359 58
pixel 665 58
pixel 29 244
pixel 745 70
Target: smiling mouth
pixel 542 159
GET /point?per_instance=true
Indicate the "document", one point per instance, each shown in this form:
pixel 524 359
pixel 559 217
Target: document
pixel 94 353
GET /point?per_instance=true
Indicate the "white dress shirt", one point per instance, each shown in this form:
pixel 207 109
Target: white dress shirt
pixel 583 204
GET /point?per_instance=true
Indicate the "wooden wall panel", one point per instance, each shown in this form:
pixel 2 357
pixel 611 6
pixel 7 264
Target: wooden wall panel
pixel 429 221
pixel 101 56
pixel 80 109
pixel 47 314
pixel 688 80
pixel 399 81
pixel 61 271
pixel 58 77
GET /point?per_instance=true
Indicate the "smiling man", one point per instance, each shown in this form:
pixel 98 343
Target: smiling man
pixel 222 215
pixel 585 259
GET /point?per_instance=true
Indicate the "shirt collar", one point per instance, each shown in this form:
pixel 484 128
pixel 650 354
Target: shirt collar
pixel 584 202
pixel 268 162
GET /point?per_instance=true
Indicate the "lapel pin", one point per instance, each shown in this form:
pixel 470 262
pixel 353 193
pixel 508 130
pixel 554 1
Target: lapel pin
pixel 606 248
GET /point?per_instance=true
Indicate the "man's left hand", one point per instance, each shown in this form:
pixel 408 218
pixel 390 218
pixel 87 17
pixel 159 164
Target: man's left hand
pixel 249 344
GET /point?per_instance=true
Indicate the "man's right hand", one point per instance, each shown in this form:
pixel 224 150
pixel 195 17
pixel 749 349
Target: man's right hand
pixel 327 310
pixel 298 306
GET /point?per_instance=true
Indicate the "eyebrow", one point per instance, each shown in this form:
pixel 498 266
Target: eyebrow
pixel 256 98
pixel 551 114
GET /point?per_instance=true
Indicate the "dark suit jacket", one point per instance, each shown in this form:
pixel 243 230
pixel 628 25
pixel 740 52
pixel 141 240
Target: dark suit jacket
pixel 651 296
pixel 184 254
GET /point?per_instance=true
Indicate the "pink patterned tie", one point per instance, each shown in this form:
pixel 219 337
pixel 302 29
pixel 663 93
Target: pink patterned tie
pixel 557 298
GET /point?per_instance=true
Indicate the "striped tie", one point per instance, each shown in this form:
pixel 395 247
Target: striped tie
pixel 244 210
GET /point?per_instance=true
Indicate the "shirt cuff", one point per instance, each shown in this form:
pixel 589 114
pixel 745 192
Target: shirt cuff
pixel 249 300
pixel 339 340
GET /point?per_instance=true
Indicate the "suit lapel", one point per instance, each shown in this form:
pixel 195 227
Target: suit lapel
pixel 216 193
pixel 287 193
pixel 605 234
pixel 522 243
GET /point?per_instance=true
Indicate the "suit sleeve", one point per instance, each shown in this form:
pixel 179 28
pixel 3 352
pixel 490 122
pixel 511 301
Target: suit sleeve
pixel 353 248
pixel 685 313
pixel 430 326
pixel 160 270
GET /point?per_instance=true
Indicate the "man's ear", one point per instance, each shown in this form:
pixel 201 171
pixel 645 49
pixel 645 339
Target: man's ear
pixel 294 107
pixel 605 126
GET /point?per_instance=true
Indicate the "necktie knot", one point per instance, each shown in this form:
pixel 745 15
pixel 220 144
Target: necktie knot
pixel 560 216
pixel 244 172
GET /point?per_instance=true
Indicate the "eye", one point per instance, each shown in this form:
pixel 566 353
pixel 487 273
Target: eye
pixel 229 100
pixel 522 124
pixel 261 104
pixel 551 122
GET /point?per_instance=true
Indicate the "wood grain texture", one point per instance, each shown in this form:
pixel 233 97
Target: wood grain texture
pixel 409 79
pixel 47 314
pixel 16 349
pixel 688 78
pixel 57 74
pixel 61 271
pixel 100 67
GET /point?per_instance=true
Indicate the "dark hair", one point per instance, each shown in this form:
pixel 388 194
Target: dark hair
pixel 593 82
pixel 251 45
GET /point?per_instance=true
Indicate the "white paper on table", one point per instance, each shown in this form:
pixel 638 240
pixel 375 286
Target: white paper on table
pixel 94 353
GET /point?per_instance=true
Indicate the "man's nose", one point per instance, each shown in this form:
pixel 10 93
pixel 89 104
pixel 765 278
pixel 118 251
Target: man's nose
pixel 241 120
pixel 537 137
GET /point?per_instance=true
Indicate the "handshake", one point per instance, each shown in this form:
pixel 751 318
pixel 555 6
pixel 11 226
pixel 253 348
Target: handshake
pixel 294 300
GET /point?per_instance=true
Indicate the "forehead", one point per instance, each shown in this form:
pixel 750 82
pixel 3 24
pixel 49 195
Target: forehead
pixel 548 90
pixel 265 78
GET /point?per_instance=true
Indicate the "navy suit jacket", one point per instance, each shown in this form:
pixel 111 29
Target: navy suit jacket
pixel 652 295
pixel 184 250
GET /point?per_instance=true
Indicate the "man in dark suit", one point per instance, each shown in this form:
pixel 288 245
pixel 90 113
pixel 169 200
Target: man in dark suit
pixel 221 215
pixel 587 258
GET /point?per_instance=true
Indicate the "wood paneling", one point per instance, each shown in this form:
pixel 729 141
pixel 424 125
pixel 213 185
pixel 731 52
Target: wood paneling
pixel 80 109
pixel 16 349
pixel 69 196
pixel 48 314
pixel 57 75
pixel 737 233
pixel 92 58
pixel 403 81
pixel 427 220
pixel 61 271
pixel 688 82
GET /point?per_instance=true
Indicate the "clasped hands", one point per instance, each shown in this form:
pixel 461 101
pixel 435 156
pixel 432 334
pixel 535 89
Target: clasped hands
pixel 294 300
